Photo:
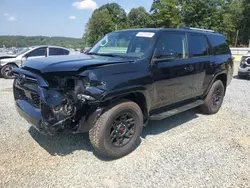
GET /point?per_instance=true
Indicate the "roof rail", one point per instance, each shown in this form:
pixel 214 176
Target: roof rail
pixel 198 29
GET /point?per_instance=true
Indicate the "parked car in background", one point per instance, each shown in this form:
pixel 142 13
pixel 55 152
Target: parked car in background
pixel 128 78
pixel 8 62
pixel 244 68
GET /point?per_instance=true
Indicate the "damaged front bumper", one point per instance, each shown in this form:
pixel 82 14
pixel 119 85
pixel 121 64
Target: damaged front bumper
pixel 50 111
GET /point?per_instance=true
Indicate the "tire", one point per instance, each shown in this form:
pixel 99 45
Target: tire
pixel 212 106
pixel 6 71
pixel 100 134
pixel 241 76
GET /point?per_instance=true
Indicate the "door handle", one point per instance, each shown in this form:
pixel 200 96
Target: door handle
pixel 189 68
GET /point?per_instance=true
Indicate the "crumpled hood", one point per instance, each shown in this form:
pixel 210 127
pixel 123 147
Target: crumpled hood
pixel 6 56
pixel 70 62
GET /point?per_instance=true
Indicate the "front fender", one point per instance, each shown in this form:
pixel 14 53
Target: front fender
pixel 6 63
pixel 123 93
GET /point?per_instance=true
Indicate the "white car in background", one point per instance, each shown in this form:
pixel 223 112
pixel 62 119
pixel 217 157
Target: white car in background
pixel 8 62
pixel 244 68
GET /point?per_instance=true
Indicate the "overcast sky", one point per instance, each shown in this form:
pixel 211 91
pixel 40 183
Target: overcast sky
pixel 53 17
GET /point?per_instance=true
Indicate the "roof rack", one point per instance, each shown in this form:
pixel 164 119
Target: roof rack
pixel 198 29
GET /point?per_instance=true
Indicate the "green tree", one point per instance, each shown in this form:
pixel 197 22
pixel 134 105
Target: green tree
pixel 99 24
pixel 245 23
pixel 118 15
pixel 201 13
pixel 222 16
pixel 232 16
pixel 107 18
pixel 166 13
pixel 139 18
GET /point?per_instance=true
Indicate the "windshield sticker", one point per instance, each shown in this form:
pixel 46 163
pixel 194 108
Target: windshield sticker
pixel 104 42
pixel 145 34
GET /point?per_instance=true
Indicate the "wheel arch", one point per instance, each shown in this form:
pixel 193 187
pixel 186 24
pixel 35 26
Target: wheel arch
pixel 222 77
pixel 10 63
pixel 139 97
pixel 219 76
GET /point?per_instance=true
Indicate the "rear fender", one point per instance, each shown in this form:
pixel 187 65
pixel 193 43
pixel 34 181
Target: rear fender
pixel 213 80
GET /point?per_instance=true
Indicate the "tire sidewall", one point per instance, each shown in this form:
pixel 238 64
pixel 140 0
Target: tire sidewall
pixel 130 146
pixel 3 71
pixel 209 102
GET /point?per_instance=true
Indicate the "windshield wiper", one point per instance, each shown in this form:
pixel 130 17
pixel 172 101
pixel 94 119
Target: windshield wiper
pixel 108 55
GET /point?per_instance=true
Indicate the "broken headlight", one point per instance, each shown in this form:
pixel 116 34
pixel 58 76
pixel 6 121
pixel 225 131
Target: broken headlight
pixel 86 82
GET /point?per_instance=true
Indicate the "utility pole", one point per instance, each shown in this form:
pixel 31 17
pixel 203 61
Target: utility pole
pixel 249 44
pixel 237 34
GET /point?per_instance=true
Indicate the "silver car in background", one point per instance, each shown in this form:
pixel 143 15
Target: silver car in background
pixel 244 68
pixel 8 62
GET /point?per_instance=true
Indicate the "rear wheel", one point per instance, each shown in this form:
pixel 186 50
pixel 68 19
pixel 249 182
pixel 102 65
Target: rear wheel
pixel 6 71
pixel 117 131
pixel 214 98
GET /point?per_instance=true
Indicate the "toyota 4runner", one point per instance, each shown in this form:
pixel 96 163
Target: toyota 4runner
pixel 128 78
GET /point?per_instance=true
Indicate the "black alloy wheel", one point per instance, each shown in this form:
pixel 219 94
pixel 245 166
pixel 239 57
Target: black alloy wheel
pixel 217 97
pixel 122 129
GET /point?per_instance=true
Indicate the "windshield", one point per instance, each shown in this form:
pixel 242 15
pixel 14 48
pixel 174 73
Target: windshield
pixel 22 51
pixel 124 43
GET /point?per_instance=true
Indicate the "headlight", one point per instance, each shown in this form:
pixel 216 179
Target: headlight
pixel 86 82
pixel 243 61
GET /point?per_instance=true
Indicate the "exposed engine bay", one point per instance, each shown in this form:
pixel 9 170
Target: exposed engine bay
pixel 67 103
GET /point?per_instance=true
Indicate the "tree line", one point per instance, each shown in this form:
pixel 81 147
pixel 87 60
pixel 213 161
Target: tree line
pixel 230 17
pixel 23 41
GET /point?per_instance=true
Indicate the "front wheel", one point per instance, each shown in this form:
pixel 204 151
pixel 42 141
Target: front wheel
pixel 6 71
pixel 117 131
pixel 214 98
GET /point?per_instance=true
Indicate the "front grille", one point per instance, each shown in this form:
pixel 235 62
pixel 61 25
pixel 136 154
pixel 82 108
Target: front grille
pixel 32 98
pixel 36 99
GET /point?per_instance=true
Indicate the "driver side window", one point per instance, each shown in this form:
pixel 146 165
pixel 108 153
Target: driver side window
pixel 172 45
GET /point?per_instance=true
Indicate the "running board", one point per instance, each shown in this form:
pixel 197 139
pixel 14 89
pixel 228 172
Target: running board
pixel 175 111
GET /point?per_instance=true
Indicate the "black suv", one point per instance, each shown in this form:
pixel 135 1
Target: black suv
pixel 128 78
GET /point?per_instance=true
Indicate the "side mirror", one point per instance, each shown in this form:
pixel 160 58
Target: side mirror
pixel 165 55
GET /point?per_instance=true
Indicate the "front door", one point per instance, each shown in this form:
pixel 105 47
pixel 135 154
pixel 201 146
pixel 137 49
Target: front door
pixel 37 53
pixel 173 74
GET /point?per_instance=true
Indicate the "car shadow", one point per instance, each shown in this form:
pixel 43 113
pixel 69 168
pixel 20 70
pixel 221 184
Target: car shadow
pixel 238 78
pixel 63 143
pixel 66 143
pixel 157 127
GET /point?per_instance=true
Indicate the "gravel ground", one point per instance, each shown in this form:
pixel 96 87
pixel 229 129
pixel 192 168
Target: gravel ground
pixel 187 150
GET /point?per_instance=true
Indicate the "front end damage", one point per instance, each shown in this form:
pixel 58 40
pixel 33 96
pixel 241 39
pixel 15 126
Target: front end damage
pixel 54 103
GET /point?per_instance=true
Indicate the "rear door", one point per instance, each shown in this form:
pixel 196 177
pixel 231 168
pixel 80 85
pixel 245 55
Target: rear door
pixel 57 51
pixel 200 57
pixel 173 72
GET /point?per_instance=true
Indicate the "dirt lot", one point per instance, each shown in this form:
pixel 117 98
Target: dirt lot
pixel 187 150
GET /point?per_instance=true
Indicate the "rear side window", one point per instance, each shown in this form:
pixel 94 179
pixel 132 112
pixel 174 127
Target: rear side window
pixel 219 44
pixel 58 51
pixel 198 45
